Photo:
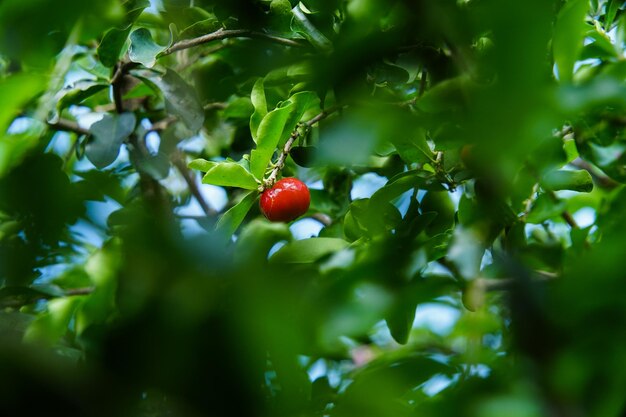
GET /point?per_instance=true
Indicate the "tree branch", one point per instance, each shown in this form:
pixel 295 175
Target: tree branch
pixel 180 164
pixel 225 34
pixel 600 178
pixel 505 284
pixel 68 126
pixel 17 302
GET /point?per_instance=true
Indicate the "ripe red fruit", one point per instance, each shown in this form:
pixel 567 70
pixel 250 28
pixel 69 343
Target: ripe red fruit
pixel 288 199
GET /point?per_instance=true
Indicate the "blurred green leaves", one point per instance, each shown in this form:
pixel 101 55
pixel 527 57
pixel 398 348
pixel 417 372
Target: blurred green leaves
pixel 569 32
pixel 460 257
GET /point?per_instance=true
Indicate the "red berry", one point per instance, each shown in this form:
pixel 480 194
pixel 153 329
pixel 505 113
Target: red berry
pixel 288 199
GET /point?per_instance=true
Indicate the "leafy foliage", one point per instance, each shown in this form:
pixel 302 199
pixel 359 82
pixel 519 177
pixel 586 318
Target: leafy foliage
pixel 461 255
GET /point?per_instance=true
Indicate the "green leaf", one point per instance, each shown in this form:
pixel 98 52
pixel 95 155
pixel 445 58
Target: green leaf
pixel 143 49
pixel 375 218
pixel 49 327
pixel 466 252
pixel 108 135
pixel 201 164
pixel 112 46
pixel 157 166
pixel 571 152
pixel 256 240
pixel 260 107
pixel 569 32
pixel 230 174
pixel 103 270
pixel 544 208
pixel 445 96
pixel 78 92
pixel 305 156
pixel 14 147
pixel 13 325
pixel 302 25
pixel 269 134
pixel 611 10
pixel 230 221
pixel 180 98
pixel 402 183
pixel 240 108
pixel 15 91
pixel 308 250
pixel 413 147
pixel 568 180
pixel 400 320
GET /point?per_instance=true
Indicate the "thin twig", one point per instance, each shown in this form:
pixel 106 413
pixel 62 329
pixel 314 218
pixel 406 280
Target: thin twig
pixel 162 124
pixel 68 126
pixel 21 302
pixel 190 179
pixel 79 291
pixel 564 214
pixel 215 106
pixel 225 34
pixel 422 82
pixel 600 178
pixel 151 190
pixel 116 83
pixel 504 284
pixel 322 218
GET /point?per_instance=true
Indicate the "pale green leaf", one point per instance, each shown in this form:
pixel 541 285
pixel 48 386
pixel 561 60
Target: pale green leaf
pixel 260 107
pixel 143 49
pixel 308 250
pixel 201 164
pixel 230 174
pixel 568 180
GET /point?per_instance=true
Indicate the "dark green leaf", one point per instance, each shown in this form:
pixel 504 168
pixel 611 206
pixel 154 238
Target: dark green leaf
pixel 413 147
pixel 112 46
pixel 78 92
pixel 304 156
pixel 108 135
pixel 611 10
pixel 302 25
pixel 180 98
